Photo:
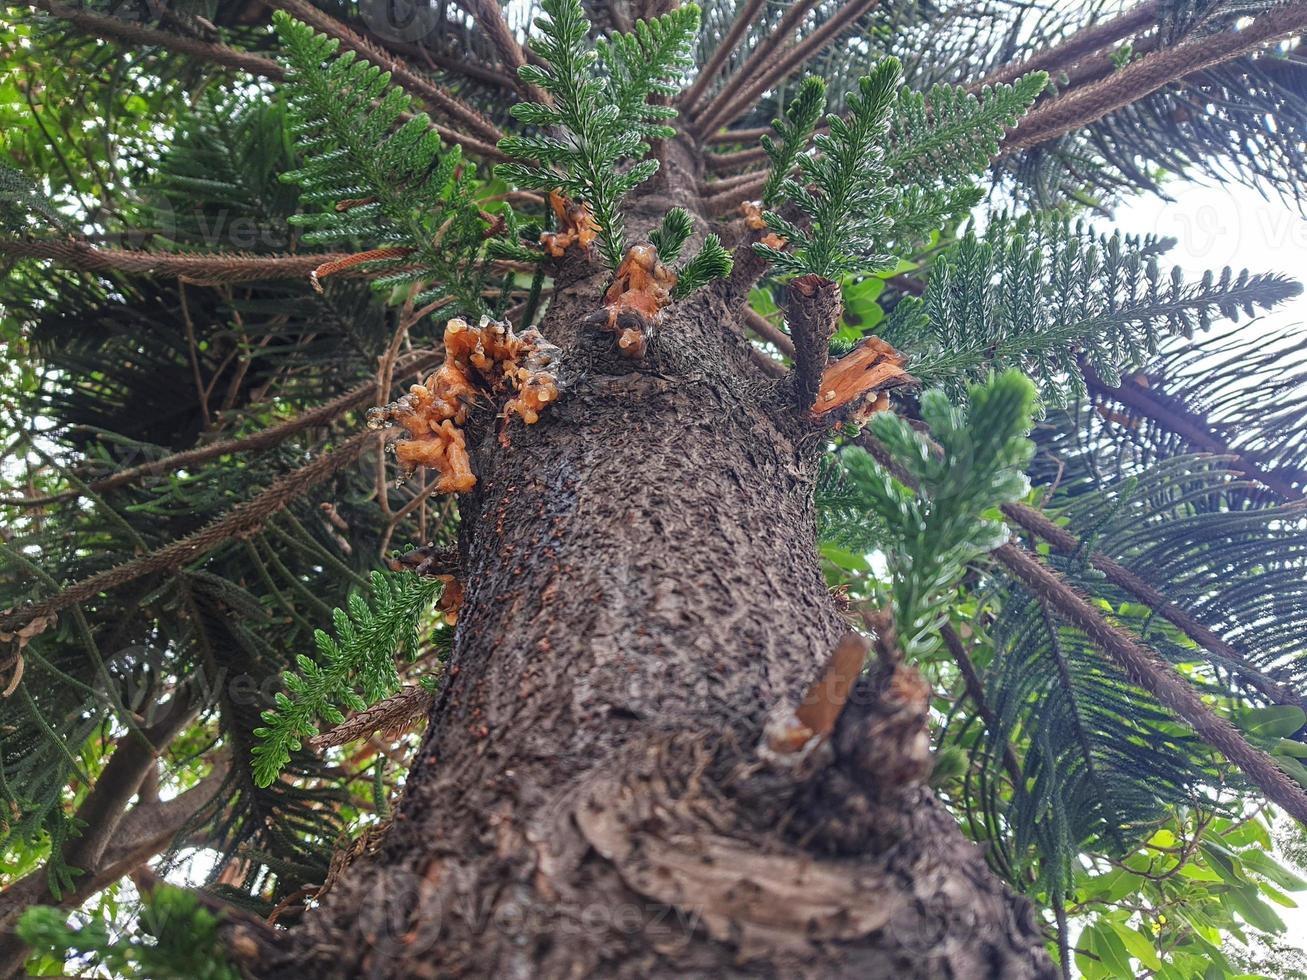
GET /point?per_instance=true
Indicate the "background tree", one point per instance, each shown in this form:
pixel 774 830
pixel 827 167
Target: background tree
pixel 727 609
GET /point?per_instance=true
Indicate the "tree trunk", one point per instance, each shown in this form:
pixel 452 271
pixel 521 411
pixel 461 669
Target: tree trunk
pixel 643 588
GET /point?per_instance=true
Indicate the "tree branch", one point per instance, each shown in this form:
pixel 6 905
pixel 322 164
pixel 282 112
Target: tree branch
pixel 1037 523
pixel 401 73
pixel 245 518
pixel 729 200
pixel 760 325
pixel 1141 665
pixel 1142 78
pixel 976 692
pixel 146 830
pixel 789 23
pixel 198 268
pixel 271 436
pixel 1146 669
pixel 1084 42
pixel 101 25
pixel 136 754
pixel 1192 430
pixel 488 14
pixel 722 111
pixel 739 27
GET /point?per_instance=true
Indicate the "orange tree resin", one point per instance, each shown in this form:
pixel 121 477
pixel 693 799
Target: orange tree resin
pixel 481 360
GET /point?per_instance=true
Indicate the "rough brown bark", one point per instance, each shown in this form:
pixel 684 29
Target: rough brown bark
pixel 643 588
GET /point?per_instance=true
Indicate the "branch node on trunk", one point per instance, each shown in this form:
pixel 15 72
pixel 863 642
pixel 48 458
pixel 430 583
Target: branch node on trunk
pixel 642 287
pixel 480 360
pixel 577 226
pixel 863 378
pixel 812 310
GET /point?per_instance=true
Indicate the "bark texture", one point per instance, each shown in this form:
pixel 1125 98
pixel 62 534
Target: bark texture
pixel 643 588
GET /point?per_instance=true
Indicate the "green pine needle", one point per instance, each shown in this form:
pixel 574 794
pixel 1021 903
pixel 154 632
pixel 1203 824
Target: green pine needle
pixel 895 169
pixel 711 262
pixel 1041 293
pixel 601 118
pixel 795 133
pixel 933 534
pixel 671 236
pixel 374 179
pixel 360 658
pixel 848 209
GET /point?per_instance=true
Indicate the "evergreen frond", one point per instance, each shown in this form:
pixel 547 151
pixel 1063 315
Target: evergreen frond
pixel 895 170
pixel 933 534
pixel 601 116
pixel 949 134
pixel 1103 759
pixel 360 658
pixel 794 130
pixel 670 237
pixel 376 179
pixel 1040 293
pixel 712 261
pixel 847 211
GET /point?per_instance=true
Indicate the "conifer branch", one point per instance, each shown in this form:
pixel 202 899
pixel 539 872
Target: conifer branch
pixel 246 518
pixel 722 162
pixel 760 325
pixel 1150 672
pixel 755 63
pixel 263 439
pixel 975 689
pixel 1193 430
pixel 712 188
pixel 489 15
pixel 112 28
pixel 736 135
pixel 388 713
pixel 744 19
pixel 1140 664
pixel 400 72
pixel 116 29
pixel 1142 78
pixel 1037 523
pixel 1084 42
pixel 202 269
pixel 723 111
pixel 598 121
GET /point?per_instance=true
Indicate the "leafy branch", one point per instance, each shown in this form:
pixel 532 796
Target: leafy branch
pixel 932 535
pixel 361 657
pixel 593 139
pixel 378 180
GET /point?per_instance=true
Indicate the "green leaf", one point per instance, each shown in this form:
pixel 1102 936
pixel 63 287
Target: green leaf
pixel 1137 944
pixel 1276 721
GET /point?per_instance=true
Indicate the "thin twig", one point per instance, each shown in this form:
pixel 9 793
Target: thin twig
pixel 1192 430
